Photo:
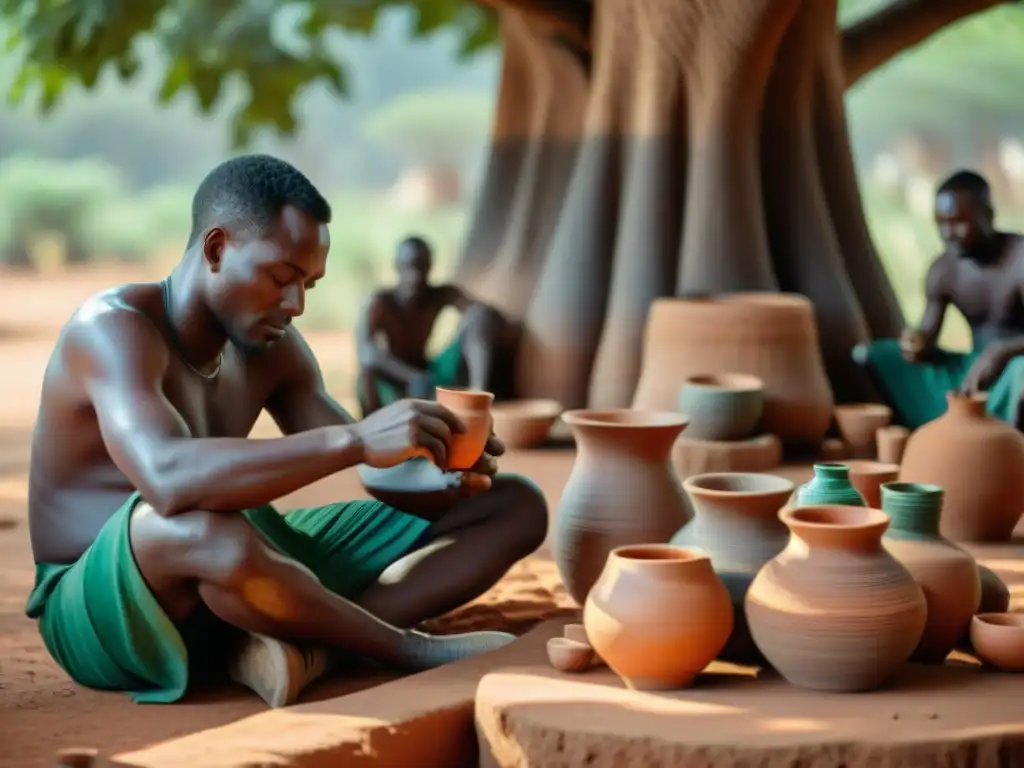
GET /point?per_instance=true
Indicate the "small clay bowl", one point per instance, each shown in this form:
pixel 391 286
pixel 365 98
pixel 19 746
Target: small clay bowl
pixel 858 423
pixel 722 406
pixel 523 424
pixel 568 655
pixel 998 640
pixel 868 477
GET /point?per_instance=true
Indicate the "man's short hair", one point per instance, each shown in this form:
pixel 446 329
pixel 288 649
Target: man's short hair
pixel 969 182
pixel 249 192
pixel 414 241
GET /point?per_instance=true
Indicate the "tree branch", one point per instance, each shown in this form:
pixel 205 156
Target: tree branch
pixel 569 19
pixel 902 24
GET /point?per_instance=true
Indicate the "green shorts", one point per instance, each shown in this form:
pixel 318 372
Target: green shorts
pixel 102 624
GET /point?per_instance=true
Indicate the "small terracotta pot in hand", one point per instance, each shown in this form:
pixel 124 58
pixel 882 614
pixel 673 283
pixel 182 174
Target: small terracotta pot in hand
pixel 473 407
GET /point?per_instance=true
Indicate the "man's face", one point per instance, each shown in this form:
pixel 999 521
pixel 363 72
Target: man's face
pixel 964 221
pixel 413 268
pixel 259 282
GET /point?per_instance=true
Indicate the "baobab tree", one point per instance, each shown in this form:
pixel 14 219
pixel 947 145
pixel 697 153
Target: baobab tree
pixel 640 149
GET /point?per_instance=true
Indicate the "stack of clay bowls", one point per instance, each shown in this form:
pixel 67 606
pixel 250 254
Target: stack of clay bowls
pixel 725 410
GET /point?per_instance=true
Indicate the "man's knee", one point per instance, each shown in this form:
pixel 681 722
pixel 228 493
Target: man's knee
pixel 522 501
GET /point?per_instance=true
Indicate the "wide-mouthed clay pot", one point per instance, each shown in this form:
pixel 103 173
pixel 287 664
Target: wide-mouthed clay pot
pixel 830 485
pixel 834 611
pixel 869 476
pixel 858 423
pixel 890 442
pixel 621 490
pixel 979 461
pixel 473 407
pixel 946 573
pixel 736 522
pixel 721 406
pixel 658 615
pixel 522 424
pixel 998 640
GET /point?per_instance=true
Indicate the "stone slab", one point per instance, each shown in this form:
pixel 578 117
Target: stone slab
pixel 959 714
pixel 419 721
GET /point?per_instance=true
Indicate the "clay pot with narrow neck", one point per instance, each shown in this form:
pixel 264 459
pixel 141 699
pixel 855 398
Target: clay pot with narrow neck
pixel 658 615
pixel 979 461
pixel 834 611
pixel 473 407
pixel 947 574
pixel 736 522
pixel 830 485
pixel 621 490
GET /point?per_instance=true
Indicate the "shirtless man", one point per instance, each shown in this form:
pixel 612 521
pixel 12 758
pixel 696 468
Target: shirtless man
pixel 981 273
pixel 149 505
pixel 395 326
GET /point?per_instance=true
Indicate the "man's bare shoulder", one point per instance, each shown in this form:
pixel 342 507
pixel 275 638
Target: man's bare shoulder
pixel 122 317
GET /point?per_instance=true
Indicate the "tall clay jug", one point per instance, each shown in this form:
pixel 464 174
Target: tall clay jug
pixel 979 461
pixel 621 490
pixel 947 574
pixel 834 611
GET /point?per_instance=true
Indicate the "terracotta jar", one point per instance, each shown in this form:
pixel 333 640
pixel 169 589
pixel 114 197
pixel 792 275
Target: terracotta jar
pixel 834 611
pixel 830 485
pixel 473 407
pixel 736 522
pixel 773 336
pixel 979 461
pixel 868 477
pixel 658 615
pixel 947 575
pixel 621 490
pixel 858 423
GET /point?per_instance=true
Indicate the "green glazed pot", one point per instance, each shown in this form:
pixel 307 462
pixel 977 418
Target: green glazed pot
pixel 830 485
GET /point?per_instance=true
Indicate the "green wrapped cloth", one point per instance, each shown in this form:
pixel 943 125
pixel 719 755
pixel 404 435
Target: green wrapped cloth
pixel 917 391
pixel 443 369
pixel 102 625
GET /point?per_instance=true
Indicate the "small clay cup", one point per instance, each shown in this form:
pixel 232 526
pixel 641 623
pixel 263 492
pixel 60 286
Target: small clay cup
pixel 567 655
pixel 869 476
pixel 891 442
pixel 858 423
pixel 473 407
pixel 522 424
pixel 722 406
pixel 998 640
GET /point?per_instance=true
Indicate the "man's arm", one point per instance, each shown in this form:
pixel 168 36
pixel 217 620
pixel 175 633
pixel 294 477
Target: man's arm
pixel 121 358
pixel 370 352
pixel 937 300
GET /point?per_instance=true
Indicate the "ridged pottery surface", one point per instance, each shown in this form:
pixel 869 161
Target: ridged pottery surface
pixel 830 485
pixel 868 477
pixel 834 611
pixel 736 522
pixel 621 490
pixel 947 575
pixel 980 463
pixel 473 407
pixel 773 336
pixel 658 615
pixel 722 406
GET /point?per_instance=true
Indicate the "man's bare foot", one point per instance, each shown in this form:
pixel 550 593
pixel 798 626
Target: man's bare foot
pixel 276 670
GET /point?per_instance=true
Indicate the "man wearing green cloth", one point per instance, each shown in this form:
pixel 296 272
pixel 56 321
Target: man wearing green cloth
pixel 981 273
pixel 396 324
pixel 159 555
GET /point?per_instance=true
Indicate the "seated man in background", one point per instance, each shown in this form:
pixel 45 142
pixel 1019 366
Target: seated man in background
pixel 981 273
pixel 395 326
pixel 158 553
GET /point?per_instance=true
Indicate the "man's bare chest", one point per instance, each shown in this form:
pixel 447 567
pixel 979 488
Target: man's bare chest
pixel 223 407
pixel 992 294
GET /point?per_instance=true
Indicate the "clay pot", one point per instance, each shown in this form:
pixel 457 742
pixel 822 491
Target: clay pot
pixel 473 407
pixel 736 522
pixel 891 442
pixel 998 640
pixel 830 485
pixel 773 336
pixel 995 595
pixel 834 611
pixel 858 423
pixel 621 490
pixel 947 575
pixel 697 457
pixel 721 406
pixel 658 615
pixel 868 477
pixel 980 463
pixel 567 655
pixel 523 424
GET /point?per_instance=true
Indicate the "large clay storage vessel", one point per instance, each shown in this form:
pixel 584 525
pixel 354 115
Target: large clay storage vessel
pixel 979 461
pixel 947 574
pixel 736 522
pixel 621 490
pixel 830 485
pixel 773 336
pixel 834 611
pixel 658 615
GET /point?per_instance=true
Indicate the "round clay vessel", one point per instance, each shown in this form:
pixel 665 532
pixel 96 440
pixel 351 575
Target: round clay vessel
pixel 834 611
pixel 721 406
pixel 998 639
pixel 995 595
pixel 858 423
pixel 568 655
pixel 658 615
pixel 697 457
pixel 980 463
pixel 473 407
pixel 947 574
pixel 830 485
pixel 621 490
pixel 890 442
pixel 869 476
pixel 773 336
pixel 736 523
pixel 522 424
